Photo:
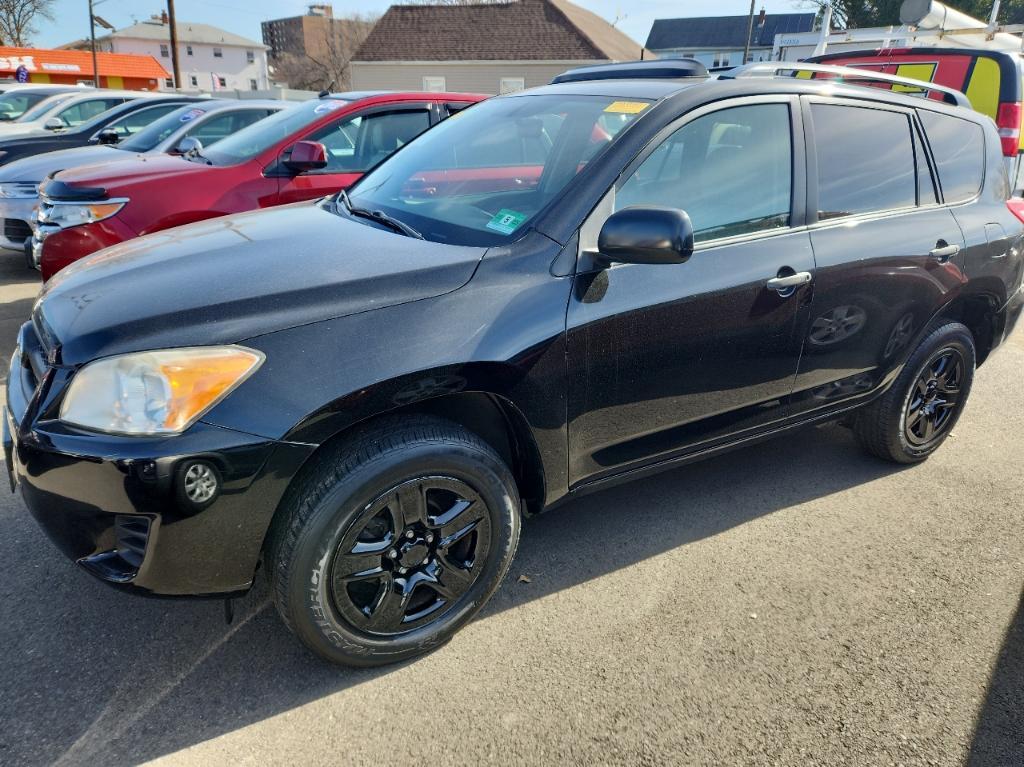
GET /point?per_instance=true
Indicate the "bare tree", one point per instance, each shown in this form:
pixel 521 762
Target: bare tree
pixel 325 64
pixel 18 19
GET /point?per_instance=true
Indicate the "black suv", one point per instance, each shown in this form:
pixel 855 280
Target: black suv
pixel 551 292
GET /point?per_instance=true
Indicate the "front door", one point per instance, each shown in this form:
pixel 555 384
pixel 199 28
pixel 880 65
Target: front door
pixel 668 359
pixel 355 143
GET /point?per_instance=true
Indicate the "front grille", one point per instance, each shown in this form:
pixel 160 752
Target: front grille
pixel 17 230
pixel 131 534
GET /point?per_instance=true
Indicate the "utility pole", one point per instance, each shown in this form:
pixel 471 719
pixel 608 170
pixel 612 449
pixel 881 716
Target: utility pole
pixel 92 36
pixel 174 43
pixel 750 32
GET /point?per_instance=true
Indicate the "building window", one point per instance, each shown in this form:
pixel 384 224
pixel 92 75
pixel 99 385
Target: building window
pixel 253 85
pixel 194 80
pixel 250 56
pixel 434 84
pixel 218 53
pixel 222 82
pixel 722 59
pixel 510 84
pixel 164 51
pixel 188 49
pixel 169 82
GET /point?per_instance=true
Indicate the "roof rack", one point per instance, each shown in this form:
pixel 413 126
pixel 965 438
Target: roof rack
pixel 772 69
pixel 660 69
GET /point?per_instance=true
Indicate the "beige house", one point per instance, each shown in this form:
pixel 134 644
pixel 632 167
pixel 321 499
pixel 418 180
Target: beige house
pixel 486 48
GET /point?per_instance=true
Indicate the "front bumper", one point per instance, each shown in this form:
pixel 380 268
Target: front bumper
pixel 54 248
pixel 16 215
pixel 116 505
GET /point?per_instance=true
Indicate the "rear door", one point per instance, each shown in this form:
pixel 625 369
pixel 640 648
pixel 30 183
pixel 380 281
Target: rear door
pixel 888 255
pixel 355 143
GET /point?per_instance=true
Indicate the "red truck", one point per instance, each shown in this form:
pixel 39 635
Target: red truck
pixel 304 152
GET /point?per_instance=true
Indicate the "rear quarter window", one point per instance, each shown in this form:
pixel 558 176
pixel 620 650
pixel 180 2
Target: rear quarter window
pixel 958 149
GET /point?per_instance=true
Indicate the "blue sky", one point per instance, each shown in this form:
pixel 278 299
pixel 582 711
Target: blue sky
pixel 243 17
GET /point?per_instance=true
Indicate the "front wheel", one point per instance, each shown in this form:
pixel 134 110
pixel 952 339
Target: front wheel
pixel 911 420
pixel 393 541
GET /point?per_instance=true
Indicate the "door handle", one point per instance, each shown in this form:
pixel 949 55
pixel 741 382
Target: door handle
pixel 943 252
pixel 789 281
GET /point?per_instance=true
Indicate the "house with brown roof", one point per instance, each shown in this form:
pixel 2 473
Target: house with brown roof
pixel 485 48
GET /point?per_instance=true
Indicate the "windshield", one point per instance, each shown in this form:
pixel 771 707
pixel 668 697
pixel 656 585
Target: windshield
pixel 159 130
pixel 259 137
pixel 481 175
pixel 43 107
pixel 13 105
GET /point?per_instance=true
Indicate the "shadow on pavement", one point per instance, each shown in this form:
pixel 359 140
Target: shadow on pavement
pixel 999 732
pixel 94 675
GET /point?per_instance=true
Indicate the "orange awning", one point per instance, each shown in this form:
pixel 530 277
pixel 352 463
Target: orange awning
pixel 62 62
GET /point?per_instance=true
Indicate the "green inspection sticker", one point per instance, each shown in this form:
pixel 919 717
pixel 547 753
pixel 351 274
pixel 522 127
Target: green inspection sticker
pixel 506 221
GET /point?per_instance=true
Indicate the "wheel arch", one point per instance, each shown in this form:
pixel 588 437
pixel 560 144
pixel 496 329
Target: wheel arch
pixel 979 312
pixel 492 417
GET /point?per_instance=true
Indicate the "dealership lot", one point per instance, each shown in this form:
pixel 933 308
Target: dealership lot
pixel 795 602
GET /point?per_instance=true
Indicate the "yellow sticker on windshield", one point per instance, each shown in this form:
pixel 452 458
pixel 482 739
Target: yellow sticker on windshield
pixel 626 107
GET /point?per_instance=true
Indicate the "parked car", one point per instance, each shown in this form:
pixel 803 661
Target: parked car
pixel 991 80
pixel 66 110
pixel 312 149
pixel 206 121
pixel 17 98
pixel 365 393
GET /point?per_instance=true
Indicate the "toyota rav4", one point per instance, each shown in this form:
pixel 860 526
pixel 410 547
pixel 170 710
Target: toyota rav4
pixel 554 291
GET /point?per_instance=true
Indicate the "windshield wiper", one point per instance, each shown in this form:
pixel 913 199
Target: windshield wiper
pixel 379 216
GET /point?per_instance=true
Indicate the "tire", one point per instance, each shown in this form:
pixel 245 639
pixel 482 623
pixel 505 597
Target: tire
pixel 365 565
pixel 913 418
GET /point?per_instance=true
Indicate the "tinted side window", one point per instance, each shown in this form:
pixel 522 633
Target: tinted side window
pixel 220 126
pixel 865 160
pixel 958 147
pixel 730 170
pixel 86 110
pixel 136 121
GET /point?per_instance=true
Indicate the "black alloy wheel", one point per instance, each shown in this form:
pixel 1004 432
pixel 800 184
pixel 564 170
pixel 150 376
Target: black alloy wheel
pixel 392 539
pixel 410 555
pixel 935 399
pixel 916 414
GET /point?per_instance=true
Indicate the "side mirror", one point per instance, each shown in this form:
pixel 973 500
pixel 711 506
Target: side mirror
pixel 306 156
pixel 188 145
pixel 54 123
pixel 647 235
pixel 108 136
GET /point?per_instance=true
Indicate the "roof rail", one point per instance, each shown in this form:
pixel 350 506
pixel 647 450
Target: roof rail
pixel 659 69
pixel 772 69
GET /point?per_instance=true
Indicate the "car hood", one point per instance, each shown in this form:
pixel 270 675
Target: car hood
pixel 35 168
pixel 133 169
pixel 232 278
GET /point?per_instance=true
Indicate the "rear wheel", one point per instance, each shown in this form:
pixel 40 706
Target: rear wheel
pixel 911 420
pixel 393 541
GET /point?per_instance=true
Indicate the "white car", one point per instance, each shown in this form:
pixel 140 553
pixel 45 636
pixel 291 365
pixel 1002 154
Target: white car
pixel 17 98
pixel 67 110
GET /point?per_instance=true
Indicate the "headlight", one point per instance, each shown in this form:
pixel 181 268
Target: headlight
pixel 159 392
pixel 66 214
pixel 19 191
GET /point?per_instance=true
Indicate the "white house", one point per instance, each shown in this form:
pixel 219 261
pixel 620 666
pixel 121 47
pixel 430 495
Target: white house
pixel 211 59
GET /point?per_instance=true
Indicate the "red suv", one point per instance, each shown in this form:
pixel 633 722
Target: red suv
pixel 301 153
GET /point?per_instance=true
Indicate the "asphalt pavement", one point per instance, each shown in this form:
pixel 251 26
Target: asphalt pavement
pixel 793 603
